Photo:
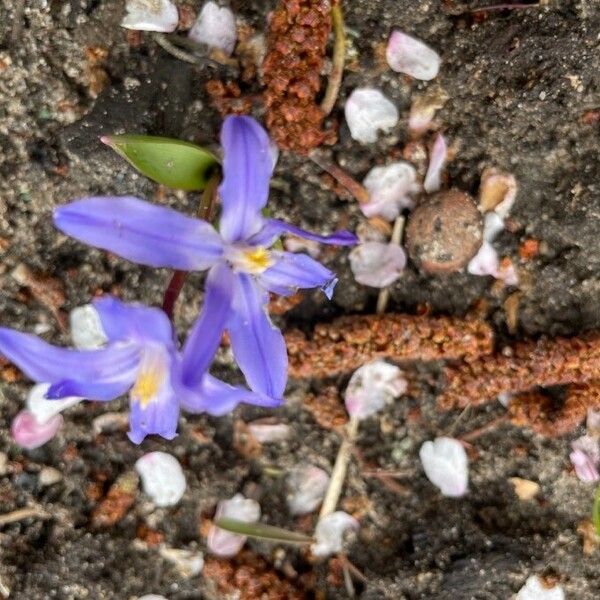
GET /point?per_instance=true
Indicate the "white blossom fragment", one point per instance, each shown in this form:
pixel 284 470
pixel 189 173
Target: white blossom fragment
pixel 329 533
pixel 437 161
pixel 44 410
pixel 269 432
pixel 86 328
pixel 390 189
pixel 162 478
pixel 372 386
pixel 306 486
pixel 408 55
pixel 423 109
pixel 28 433
pixel 585 458
pixel 215 27
pixel 150 15
pixel 367 111
pixel 377 264
pixel 534 589
pixel 187 562
pixel 446 465
pixel 497 191
pixel 225 543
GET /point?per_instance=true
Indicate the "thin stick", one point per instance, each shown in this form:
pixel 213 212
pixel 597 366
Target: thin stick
pixel 384 294
pixel 503 7
pixel 205 211
pixel 338 475
pixel 173 50
pixel 339 56
pixel 356 189
pixel 33 512
pixel 491 425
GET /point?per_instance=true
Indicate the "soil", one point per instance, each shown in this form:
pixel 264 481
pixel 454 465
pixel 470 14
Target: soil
pixel 524 96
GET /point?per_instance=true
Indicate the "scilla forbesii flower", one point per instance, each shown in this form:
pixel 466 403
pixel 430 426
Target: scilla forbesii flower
pixel 140 356
pixel 243 266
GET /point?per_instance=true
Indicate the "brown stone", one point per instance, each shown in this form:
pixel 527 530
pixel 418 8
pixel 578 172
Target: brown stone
pixel 444 232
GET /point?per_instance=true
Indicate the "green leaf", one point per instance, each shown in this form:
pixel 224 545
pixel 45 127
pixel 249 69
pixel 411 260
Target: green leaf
pixel 596 511
pixel 265 532
pixel 174 163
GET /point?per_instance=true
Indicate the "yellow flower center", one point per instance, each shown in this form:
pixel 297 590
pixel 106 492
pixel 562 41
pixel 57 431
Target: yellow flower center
pixel 257 260
pixel 146 387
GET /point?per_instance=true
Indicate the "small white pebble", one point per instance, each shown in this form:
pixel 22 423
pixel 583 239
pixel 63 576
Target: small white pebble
pixel 225 543
pixel 390 190
pixel 215 27
pixel 329 533
pixel 367 111
pixel 269 432
pixel 187 562
pixel 408 55
pixel 377 264
pixel 150 15
pixel 162 478
pixel 534 589
pixel 437 161
pixel 446 465
pixel 373 386
pixel 110 422
pixel 42 409
pixel 49 476
pixel 306 485
pixel 86 328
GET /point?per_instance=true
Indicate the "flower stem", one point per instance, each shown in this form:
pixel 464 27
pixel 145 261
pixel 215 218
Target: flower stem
pixel 344 179
pixel 384 294
pixel 339 55
pixel 205 211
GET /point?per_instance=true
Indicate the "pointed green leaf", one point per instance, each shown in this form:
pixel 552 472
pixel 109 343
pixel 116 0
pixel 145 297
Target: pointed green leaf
pixel 174 163
pixel 264 532
pixel 596 511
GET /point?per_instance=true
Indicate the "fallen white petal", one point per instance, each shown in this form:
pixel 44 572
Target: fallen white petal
pixel 493 224
pixel 367 111
pixel 390 189
pixel 534 589
pixel 586 458
pixel 372 386
pixel 446 465
pixel 28 433
pixel 187 562
pixel 485 262
pixel 225 543
pixel 306 486
pixel 42 409
pixel 497 191
pixel 86 328
pixel 215 27
pixel 268 432
pixel 162 478
pixel 437 161
pixel 150 15
pixel 406 54
pixel 329 533
pixel 377 264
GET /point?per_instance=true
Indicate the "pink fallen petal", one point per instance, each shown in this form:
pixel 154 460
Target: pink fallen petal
pixel 329 533
pixel 30 434
pixel 225 543
pixel 306 486
pixel 150 15
pixel 408 55
pixel 215 27
pixel 437 161
pixel 367 112
pixel 372 387
pixel 446 465
pixel 586 458
pixel 162 478
pixel 390 189
pixel 377 264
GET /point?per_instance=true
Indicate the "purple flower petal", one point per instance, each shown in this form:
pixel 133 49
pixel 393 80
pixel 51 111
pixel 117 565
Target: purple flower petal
pixel 29 433
pixel 218 398
pixel 43 362
pixel 205 336
pixel 273 228
pixel 141 232
pixel 297 271
pixel 247 169
pixel 137 322
pixel 90 390
pixel 159 417
pixel 258 346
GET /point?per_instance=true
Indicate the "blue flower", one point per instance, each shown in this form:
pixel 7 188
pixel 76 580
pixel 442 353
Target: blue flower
pixel 140 356
pixel 243 265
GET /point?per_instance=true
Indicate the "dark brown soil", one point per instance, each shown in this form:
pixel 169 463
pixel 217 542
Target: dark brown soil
pixel 524 97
